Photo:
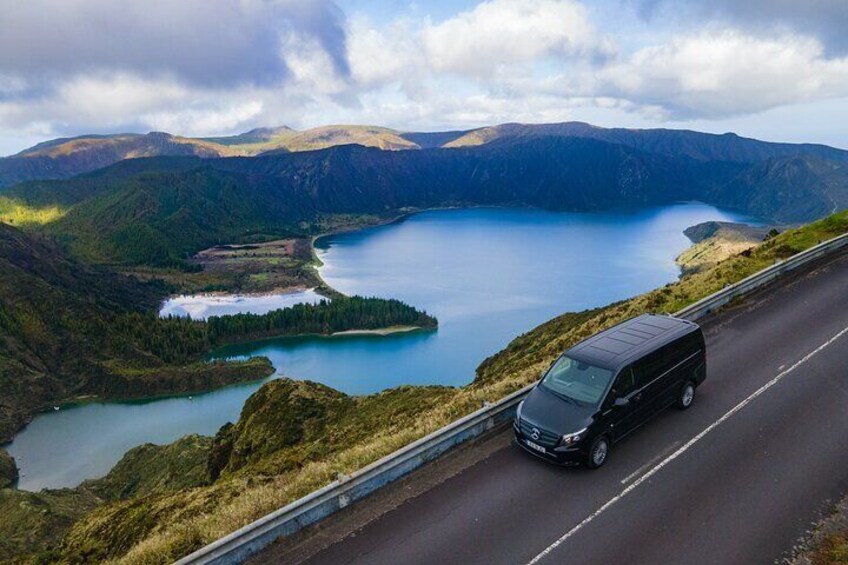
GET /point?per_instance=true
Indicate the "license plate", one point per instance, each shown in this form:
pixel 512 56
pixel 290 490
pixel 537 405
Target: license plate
pixel 535 446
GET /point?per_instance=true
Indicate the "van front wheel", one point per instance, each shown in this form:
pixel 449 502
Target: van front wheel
pixel 598 452
pixel 686 396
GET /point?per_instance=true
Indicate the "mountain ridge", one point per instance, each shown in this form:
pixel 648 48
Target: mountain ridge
pixel 159 211
pixel 67 157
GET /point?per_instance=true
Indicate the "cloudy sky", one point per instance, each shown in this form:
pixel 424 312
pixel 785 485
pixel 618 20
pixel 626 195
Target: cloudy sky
pixel 774 69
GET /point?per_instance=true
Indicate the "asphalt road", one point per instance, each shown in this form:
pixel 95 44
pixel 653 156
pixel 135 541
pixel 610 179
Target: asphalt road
pixel 738 478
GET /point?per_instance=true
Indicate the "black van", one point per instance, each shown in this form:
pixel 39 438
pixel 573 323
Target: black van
pixel 608 385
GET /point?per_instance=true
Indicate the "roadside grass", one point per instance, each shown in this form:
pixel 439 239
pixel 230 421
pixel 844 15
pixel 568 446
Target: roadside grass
pixel 161 528
pixel 833 549
pixel 828 544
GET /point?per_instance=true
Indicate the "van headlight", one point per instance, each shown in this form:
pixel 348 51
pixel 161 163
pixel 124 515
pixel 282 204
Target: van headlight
pixel 518 411
pixel 571 439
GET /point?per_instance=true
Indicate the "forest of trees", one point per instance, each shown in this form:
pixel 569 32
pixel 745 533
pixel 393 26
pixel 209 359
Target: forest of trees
pixel 172 339
pixel 325 317
pixel 182 340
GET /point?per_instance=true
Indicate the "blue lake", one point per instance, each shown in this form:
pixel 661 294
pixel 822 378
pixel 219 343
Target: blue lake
pixel 487 274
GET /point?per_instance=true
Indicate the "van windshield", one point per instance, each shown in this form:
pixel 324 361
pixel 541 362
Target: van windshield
pixel 576 380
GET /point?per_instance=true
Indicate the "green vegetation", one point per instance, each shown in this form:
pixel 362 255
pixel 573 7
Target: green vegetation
pixel 68 330
pixel 293 437
pixel 8 469
pixel 149 469
pixel 832 549
pixel 828 545
pixel 326 317
pixel 257 267
pixel 161 219
pixel 34 524
pixel 16 213
pixel 279 450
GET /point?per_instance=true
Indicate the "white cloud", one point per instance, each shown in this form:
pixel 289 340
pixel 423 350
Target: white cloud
pixel 107 98
pixel 825 20
pixel 311 67
pixel 202 42
pixel 206 121
pixel 203 67
pixel 504 32
pixel 379 56
pixel 724 73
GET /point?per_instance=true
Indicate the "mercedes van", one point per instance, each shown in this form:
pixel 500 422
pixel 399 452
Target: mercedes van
pixel 606 386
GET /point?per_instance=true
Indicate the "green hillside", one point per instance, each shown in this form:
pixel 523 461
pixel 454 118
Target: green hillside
pixel 69 330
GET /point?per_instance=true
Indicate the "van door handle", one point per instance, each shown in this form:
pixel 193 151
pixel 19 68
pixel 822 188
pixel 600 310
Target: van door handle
pixel 638 397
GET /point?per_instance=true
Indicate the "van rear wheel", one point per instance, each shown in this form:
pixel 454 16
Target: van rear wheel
pixel 598 452
pixel 686 396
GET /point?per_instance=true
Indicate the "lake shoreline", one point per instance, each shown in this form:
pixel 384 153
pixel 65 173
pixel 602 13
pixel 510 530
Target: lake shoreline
pixel 502 242
pixel 376 332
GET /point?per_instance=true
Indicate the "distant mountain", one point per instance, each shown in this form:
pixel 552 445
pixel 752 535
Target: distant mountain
pixel 791 189
pixel 68 157
pixel 157 211
pixel 64 158
pixel 254 136
pixel 703 146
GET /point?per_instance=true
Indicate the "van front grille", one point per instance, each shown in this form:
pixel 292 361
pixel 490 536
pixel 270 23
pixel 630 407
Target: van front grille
pixel 546 438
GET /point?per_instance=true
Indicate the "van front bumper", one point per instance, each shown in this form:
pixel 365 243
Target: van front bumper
pixel 561 455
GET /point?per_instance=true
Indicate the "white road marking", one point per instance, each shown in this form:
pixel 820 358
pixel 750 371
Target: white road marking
pixel 653 460
pixel 682 449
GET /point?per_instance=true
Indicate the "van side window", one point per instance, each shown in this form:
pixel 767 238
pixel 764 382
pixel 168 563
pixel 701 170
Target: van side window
pixel 654 364
pixel 683 348
pixel 675 353
pixel 625 383
pixel 649 367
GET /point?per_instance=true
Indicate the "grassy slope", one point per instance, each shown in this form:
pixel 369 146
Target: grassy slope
pixel 151 468
pixel 716 241
pixel 327 433
pixel 34 524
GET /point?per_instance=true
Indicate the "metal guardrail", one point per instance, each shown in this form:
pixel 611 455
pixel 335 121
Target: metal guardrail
pixel 316 506
pixel 721 298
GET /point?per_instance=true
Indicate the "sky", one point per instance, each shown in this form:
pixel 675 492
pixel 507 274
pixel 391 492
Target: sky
pixel 771 69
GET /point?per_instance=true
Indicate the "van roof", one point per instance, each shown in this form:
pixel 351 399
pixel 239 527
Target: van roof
pixel 617 346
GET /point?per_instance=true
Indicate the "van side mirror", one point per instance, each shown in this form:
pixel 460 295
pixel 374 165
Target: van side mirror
pixel 621 402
